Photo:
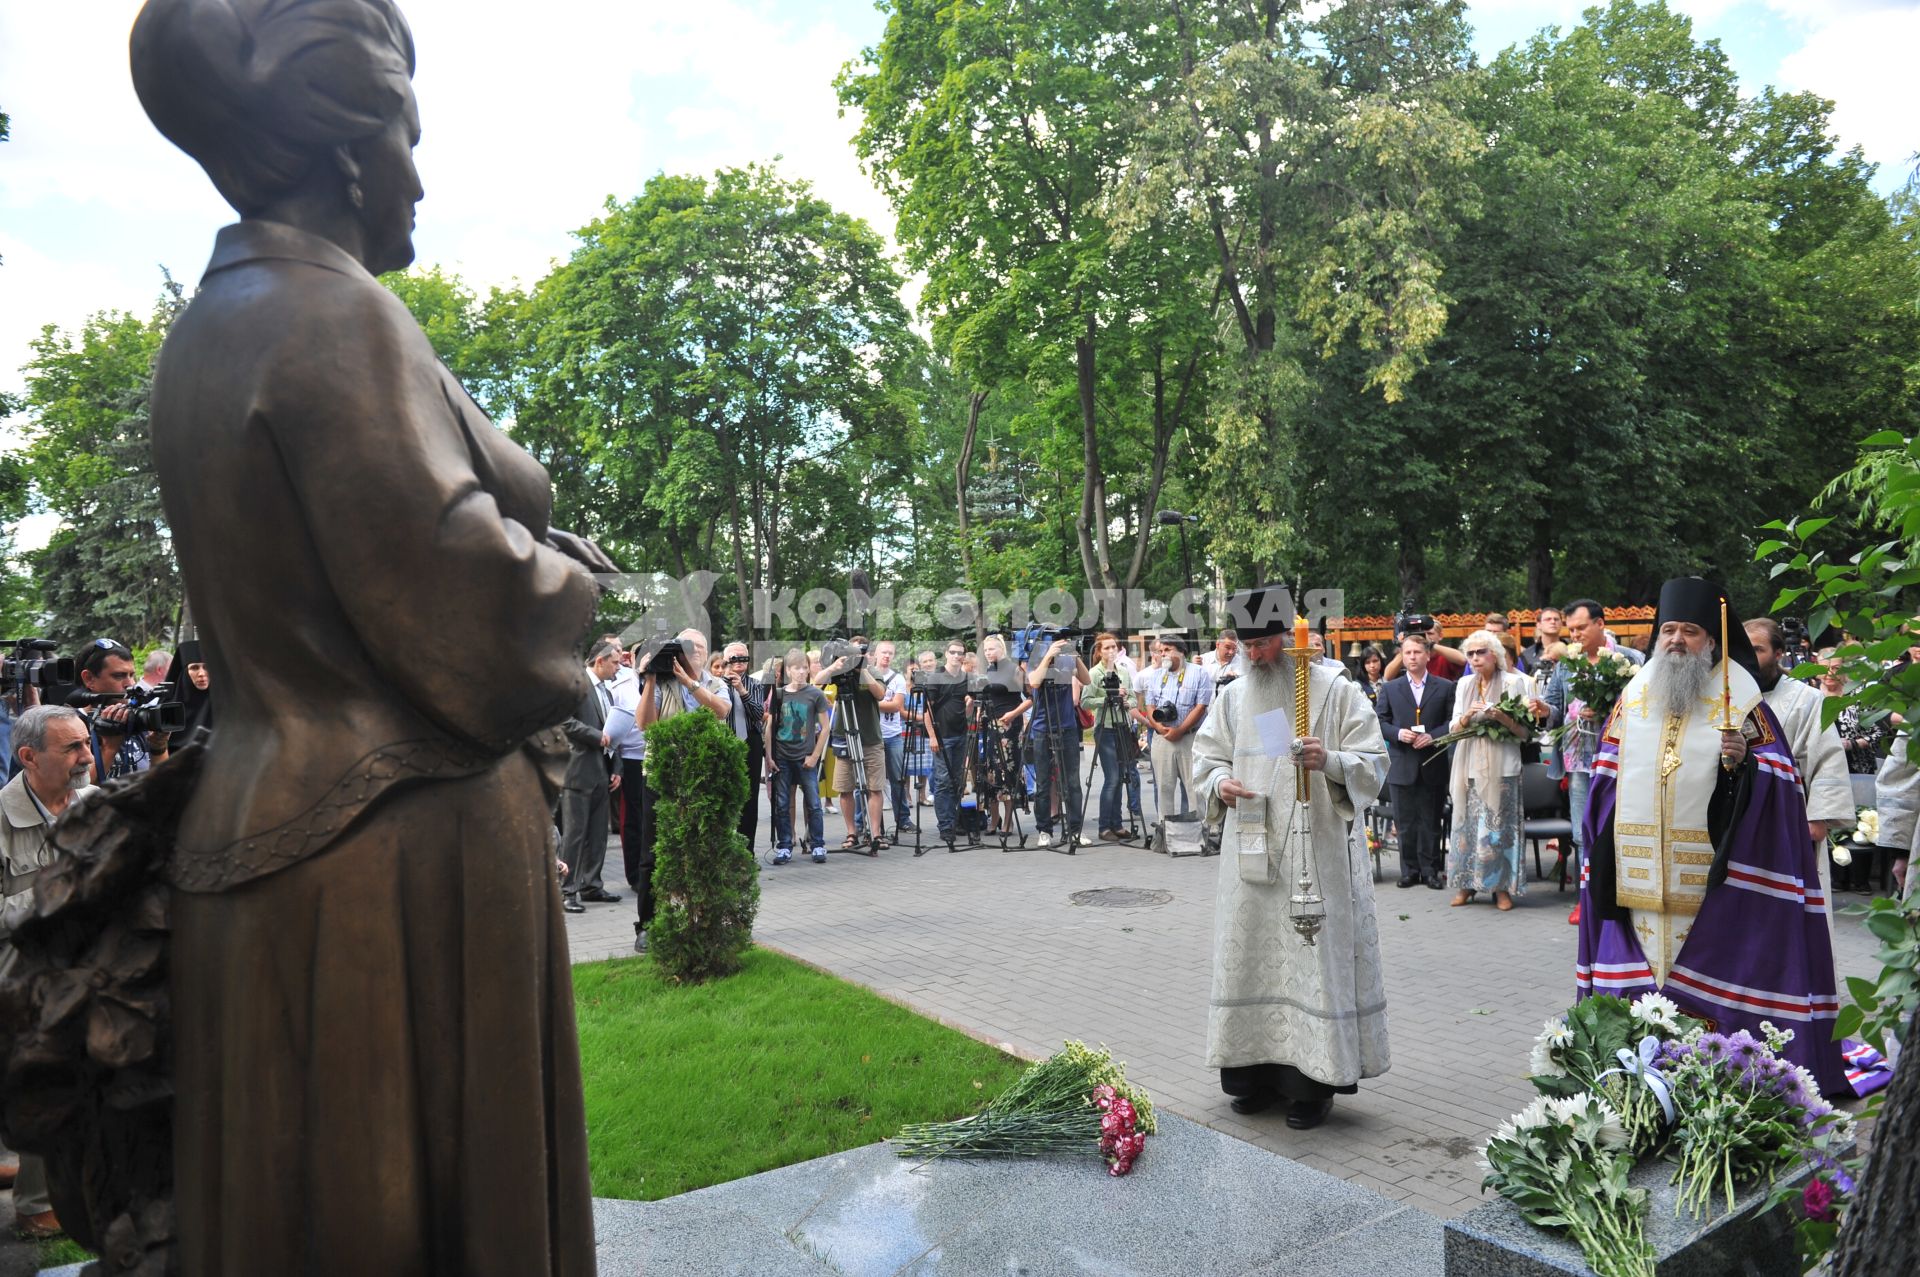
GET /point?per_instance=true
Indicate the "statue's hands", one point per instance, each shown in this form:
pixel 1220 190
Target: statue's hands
pixel 582 551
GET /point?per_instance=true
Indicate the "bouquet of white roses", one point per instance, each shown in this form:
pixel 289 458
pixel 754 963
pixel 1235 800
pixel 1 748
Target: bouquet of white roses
pixel 1564 1163
pixel 1595 681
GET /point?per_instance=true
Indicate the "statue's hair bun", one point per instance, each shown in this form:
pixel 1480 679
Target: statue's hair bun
pixel 258 90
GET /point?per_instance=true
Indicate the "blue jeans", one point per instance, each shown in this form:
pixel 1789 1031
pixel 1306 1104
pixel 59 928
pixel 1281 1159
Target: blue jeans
pixel 1106 743
pixel 897 782
pixel 1056 754
pixel 787 774
pixel 949 774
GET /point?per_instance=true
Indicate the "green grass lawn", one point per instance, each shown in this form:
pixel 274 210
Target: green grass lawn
pixel 690 1086
pixel 695 1085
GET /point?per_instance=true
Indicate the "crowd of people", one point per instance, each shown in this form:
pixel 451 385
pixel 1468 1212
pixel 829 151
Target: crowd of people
pixel 985 742
pixel 989 742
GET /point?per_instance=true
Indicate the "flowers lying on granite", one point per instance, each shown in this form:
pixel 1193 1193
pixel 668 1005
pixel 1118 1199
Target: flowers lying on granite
pixel 1746 1114
pixel 1563 1162
pixel 1075 1101
pixel 1603 1044
pixel 1866 827
pixel 1121 1138
pixel 1816 1199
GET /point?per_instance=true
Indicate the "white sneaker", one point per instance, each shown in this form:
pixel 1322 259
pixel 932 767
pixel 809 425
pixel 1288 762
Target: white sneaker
pixel 1043 839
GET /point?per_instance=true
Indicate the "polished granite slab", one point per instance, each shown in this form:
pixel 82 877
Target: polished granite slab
pixel 1198 1204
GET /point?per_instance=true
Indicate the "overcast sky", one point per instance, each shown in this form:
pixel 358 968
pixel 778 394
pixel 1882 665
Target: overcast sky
pixel 533 115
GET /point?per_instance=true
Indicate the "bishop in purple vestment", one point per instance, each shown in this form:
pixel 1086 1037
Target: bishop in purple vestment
pixel 1700 879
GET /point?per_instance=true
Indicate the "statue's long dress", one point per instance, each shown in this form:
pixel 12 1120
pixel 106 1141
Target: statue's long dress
pixel 375 1052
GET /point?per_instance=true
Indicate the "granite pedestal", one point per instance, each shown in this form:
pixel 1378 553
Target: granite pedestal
pixel 1198 1204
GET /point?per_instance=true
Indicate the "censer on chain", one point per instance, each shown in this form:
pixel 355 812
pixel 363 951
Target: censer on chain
pixel 1306 908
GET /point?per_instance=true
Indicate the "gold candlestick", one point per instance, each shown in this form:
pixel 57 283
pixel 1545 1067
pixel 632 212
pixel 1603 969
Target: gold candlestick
pixel 1306 908
pixel 1726 674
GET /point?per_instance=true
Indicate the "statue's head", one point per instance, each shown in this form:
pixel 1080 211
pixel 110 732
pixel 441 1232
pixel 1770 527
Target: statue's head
pixel 306 102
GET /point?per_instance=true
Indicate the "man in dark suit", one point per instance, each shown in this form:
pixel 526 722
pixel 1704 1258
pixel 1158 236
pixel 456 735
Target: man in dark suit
pixel 584 806
pixel 1413 709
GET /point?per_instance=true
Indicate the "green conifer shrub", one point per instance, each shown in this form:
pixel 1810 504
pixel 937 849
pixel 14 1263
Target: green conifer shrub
pixel 704 878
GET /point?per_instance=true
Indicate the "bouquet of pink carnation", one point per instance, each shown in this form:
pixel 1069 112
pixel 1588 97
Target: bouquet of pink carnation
pixel 1074 1101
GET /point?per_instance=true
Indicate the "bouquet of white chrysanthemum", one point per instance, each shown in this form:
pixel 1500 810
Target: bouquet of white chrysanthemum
pixel 1564 1163
pixel 1606 1045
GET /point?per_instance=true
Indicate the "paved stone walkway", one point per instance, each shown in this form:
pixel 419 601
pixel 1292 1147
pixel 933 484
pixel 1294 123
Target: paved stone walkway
pixel 994 944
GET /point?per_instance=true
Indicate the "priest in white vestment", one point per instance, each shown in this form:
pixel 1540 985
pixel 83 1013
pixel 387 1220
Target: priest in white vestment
pixel 1289 1021
pixel 1822 759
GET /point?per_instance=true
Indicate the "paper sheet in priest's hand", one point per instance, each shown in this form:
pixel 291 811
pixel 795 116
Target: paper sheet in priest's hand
pixel 1276 732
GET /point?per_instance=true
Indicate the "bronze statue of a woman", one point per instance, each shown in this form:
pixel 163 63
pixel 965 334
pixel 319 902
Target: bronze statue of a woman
pixel 376 1064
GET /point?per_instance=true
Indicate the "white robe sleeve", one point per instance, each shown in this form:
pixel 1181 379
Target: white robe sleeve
pixel 1356 751
pixel 1213 752
pixel 1829 787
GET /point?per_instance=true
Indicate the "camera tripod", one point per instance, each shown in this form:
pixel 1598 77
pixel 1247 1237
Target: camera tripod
pixel 995 771
pixel 846 725
pixel 917 752
pixel 1113 717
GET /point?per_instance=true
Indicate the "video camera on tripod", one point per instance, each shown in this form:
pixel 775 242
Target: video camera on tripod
pixel 854 653
pixel 1798 643
pixel 1030 644
pixel 27 664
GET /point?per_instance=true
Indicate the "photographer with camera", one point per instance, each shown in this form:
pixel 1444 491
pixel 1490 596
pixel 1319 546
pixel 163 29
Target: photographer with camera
pixel 1055 683
pixel 746 714
pixel 1107 697
pixel 946 720
pixel 893 734
pixel 126 724
pixel 1176 695
pixel 857 692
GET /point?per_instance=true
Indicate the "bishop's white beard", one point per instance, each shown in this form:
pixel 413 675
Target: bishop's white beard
pixel 1676 685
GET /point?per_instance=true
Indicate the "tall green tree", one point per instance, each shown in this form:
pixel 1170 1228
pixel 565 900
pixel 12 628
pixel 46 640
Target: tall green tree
pixel 999 131
pixel 722 378
pixel 1325 154
pixel 109 570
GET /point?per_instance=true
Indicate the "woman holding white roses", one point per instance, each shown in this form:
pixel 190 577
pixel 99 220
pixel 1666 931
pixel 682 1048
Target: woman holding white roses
pixel 1487 846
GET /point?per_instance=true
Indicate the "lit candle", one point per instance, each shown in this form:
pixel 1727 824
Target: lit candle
pixel 1300 632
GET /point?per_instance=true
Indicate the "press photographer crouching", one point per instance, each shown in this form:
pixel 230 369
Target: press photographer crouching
pixel 130 726
pixel 53 759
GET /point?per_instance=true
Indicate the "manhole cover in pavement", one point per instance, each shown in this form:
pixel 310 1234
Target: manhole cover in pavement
pixel 1121 897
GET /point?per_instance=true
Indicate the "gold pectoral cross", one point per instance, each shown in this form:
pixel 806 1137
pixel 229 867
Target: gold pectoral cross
pixel 1670 747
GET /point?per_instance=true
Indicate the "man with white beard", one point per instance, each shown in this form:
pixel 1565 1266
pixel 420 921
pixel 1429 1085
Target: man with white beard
pixel 1288 1020
pixel 1700 879
pixel 54 752
pixel 1816 749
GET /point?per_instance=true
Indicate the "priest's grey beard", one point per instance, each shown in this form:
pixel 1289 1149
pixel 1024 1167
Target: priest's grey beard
pixel 1272 680
pixel 1678 684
